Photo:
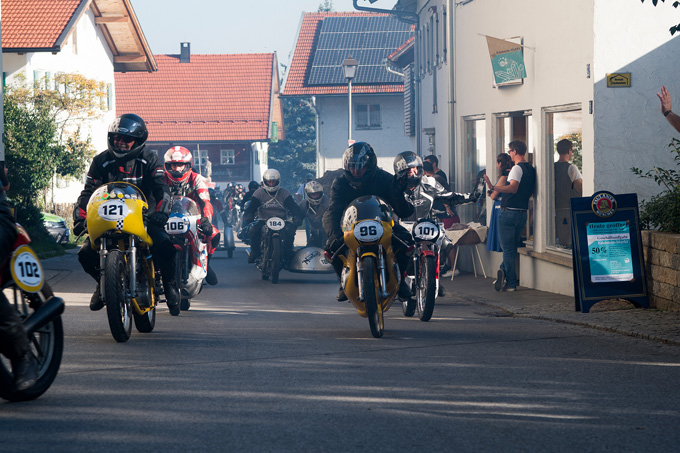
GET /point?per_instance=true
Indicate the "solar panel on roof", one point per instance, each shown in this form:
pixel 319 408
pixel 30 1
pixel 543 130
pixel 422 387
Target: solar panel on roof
pixel 368 39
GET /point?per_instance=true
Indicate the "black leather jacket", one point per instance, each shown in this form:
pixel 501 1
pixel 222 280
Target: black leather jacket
pixel 144 171
pixel 383 185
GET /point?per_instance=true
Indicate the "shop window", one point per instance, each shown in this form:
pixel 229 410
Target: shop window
pixel 367 116
pixel 518 126
pixel 474 162
pixel 563 124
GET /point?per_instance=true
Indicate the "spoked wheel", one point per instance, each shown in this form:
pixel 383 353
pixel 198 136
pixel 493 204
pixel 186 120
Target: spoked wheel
pixel 146 322
pixel 427 288
pixel 118 307
pixel 47 346
pixel 373 309
pixel 276 259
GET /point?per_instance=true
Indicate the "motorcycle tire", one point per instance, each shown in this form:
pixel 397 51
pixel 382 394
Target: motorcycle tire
pixel 118 308
pixel 47 346
pixel 184 304
pixel 230 253
pixel 146 322
pixel 373 308
pixel 275 259
pixel 427 288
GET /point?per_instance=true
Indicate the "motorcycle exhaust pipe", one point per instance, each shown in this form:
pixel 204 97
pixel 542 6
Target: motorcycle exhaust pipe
pixel 45 314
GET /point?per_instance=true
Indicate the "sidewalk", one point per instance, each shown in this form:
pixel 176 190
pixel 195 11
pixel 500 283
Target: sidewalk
pixel 614 316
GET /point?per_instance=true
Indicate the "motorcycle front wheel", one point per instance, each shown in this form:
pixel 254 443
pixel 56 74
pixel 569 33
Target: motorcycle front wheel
pixel 118 307
pixel 47 346
pixel 373 309
pixel 427 288
pixel 275 259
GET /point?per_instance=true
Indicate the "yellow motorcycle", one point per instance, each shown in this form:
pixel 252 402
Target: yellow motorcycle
pixel 115 223
pixel 370 275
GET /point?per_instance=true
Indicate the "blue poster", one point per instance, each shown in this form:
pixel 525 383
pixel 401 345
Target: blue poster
pixel 609 252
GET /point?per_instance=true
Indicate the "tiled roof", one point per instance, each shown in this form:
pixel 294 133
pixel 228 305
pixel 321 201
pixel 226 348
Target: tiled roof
pixel 304 52
pixel 35 24
pixel 214 97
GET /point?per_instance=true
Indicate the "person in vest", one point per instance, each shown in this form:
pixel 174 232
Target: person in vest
pixel 272 200
pixel 513 216
pixel 314 205
pixel 568 184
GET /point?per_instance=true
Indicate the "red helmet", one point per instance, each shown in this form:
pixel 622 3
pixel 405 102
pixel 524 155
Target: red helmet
pixel 178 155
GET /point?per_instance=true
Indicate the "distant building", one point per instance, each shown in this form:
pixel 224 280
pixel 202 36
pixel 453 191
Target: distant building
pixel 323 42
pixel 95 38
pixel 224 108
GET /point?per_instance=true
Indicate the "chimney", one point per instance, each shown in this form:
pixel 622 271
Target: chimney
pixel 185 52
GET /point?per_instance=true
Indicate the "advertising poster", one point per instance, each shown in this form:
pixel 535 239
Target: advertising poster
pixel 609 252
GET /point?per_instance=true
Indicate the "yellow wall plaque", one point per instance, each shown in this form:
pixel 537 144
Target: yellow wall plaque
pixel 618 79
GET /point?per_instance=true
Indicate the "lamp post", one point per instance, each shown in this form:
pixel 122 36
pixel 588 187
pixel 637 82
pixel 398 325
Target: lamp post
pixel 349 68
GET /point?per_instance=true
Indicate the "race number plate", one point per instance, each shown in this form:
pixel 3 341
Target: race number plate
pixel 176 225
pixel 275 223
pixel 425 231
pixel 368 231
pixel 26 270
pixel 113 210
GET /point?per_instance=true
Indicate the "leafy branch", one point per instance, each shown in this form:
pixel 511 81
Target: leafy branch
pixel 674 28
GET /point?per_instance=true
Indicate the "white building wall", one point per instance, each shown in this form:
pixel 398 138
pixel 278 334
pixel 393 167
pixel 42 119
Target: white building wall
pixel 388 141
pixel 570 47
pixel 92 59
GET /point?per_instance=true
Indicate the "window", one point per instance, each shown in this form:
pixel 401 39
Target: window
pixel 227 157
pixel 474 162
pixel 200 161
pixel 518 126
pixel 367 116
pixel 562 123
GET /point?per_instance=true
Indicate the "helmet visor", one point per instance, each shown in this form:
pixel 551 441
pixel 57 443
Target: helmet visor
pixel 357 169
pixel 270 182
pixel 315 195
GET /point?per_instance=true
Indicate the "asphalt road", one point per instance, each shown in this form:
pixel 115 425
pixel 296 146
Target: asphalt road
pixel 254 366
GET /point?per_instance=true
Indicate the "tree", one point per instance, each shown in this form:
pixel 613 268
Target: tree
pixel 326 6
pixel 674 28
pixel 296 155
pixel 42 136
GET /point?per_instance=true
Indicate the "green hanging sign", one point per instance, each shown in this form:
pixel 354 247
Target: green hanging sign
pixel 507 60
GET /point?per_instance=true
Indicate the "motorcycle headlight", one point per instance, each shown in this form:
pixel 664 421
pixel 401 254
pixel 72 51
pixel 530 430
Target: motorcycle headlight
pixel 368 231
pixel 425 230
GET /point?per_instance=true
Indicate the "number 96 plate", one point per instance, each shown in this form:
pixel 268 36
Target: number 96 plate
pixel 368 231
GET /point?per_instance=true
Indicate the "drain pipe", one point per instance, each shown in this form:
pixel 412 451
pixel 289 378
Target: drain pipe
pixel 411 18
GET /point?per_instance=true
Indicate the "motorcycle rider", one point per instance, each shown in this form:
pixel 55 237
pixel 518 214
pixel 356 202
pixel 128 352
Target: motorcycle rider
pixel 363 177
pixel 313 205
pixel 252 187
pixel 128 160
pixel 185 182
pixel 272 200
pixel 13 338
pixel 422 191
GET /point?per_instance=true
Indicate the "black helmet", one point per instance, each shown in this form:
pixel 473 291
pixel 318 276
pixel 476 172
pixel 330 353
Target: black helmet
pixel 403 164
pixel 131 126
pixel 253 185
pixel 359 163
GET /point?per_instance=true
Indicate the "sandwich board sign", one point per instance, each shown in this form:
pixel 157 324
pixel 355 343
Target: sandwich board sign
pixel 608 262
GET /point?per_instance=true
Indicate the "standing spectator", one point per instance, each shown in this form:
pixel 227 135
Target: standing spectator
pixel 568 184
pixel 438 171
pixel 665 98
pixel 503 166
pixel 513 216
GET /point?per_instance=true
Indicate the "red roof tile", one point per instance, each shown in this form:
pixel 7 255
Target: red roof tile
pixel 214 97
pixel 299 66
pixel 35 24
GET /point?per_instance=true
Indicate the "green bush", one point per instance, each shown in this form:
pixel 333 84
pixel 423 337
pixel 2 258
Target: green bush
pixel 662 211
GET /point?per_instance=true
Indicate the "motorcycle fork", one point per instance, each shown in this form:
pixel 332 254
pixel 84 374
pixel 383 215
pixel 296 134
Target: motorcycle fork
pixel 103 252
pixel 382 269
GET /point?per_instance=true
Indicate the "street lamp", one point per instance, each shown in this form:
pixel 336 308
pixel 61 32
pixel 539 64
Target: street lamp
pixel 349 67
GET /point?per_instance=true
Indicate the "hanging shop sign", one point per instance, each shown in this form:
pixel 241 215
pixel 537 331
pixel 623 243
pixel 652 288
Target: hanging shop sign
pixel 608 262
pixel 507 60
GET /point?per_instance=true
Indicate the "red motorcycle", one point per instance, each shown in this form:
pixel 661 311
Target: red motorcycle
pixel 23 281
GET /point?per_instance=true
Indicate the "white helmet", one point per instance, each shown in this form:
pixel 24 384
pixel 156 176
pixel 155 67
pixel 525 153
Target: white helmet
pixel 314 192
pixel 271 180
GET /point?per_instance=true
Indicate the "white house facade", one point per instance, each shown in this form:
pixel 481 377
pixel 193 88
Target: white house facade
pixel 570 49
